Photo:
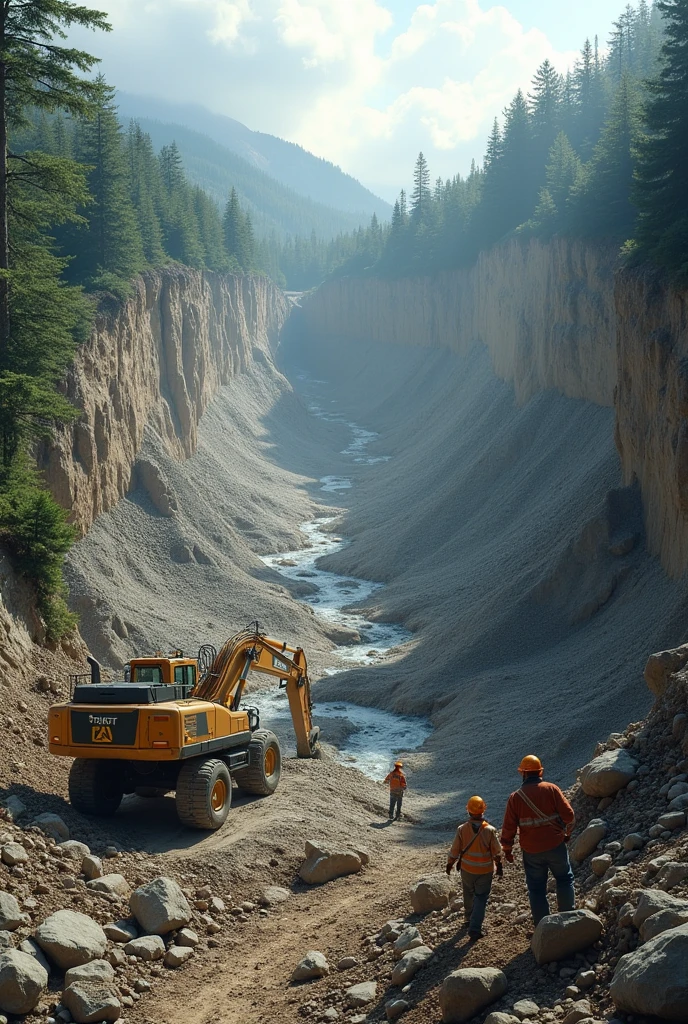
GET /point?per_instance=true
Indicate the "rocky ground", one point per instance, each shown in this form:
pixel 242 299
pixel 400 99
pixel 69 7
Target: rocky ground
pixel 369 945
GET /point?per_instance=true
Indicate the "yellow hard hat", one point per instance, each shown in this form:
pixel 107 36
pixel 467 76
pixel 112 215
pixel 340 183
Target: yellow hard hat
pixel 398 764
pixel 476 805
pixel 530 763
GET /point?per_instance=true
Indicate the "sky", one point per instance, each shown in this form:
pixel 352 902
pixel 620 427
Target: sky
pixel 363 83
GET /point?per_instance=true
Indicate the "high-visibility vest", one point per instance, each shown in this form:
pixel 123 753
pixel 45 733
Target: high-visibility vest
pixel 476 850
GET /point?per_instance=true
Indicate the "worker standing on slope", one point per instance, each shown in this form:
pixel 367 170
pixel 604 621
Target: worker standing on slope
pixel 544 819
pixel 396 780
pixel 476 852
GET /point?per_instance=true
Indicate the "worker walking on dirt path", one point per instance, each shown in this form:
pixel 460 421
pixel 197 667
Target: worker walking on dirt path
pixel 476 853
pixel 396 780
pixel 544 820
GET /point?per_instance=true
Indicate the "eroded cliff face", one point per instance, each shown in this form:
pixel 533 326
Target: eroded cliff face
pixel 155 361
pixel 545 311
pixel 652 408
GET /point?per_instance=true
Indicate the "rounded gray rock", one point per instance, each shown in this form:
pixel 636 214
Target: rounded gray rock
pixel 559 936
pixel 607 774
pixel 70 939
pixel 430 893
pixel 313 965
pixel 90 1001
pixel 22 982
pixel 160 906
pixel 653 980
pixel 10 912
pixel 465 992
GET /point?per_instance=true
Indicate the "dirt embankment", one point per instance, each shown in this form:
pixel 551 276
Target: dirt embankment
pixel 155 363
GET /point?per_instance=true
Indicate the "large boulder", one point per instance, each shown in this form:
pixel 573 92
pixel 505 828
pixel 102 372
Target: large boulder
pixel 430 893
pixel 323 864
pixel 148 947
pixel 22 982
pixel 584 844
pixel 651 901
pixel 360 995
pixel 95 969
pixel 410 964
pixel 313 965
pixel 31 947
pixel 113 884
pixel 92 1000
pixel 160 906
pixel 10 912
pixel 662 922
pixel 70 939
pixel 467 991
pixel 409 939
pixel 607 774
pixel 661 666
pixel 52 825
pixel 559 936
pixel 653 980
pixel 672 874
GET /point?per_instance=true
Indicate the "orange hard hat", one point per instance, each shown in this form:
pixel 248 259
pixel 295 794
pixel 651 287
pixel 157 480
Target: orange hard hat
pixel 530 763
pixel 476 805
pixel 398 764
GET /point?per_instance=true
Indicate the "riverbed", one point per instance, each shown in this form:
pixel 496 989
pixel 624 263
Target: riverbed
pixel 365 737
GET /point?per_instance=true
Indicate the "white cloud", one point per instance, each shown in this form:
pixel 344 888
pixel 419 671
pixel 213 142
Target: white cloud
pixel 344 78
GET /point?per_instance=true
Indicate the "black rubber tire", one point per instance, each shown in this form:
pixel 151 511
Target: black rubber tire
pixel 194 797
pixel 254 778
pixel 96 787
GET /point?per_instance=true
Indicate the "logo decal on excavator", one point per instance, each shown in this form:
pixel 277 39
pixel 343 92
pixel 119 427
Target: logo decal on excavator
pixel 101 734
pixel 281 665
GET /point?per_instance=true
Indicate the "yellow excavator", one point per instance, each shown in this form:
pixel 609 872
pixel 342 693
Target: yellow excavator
pixel 178 724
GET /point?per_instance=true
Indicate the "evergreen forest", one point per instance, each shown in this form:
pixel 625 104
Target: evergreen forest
pixel 599 152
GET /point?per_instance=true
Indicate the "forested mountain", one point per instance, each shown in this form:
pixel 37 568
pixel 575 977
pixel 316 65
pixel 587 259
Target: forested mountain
pixel 274 208
pixel 293 166
pixel 580 154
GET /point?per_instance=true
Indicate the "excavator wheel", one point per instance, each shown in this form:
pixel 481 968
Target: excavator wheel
pixel 204 794
pixel 262 775
pixel 95 787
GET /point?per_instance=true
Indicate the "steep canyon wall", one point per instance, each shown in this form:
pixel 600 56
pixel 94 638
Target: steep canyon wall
pixel 545 311
pixel 157 360
pixel 554 315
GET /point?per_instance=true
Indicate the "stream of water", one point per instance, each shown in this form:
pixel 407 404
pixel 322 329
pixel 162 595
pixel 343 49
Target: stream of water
pixel 373 737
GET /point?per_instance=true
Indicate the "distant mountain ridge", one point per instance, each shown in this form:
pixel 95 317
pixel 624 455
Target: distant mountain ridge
pixel 290 164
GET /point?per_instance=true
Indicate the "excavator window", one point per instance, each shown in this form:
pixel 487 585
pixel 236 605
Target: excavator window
pixel 185 674
pixel 147 674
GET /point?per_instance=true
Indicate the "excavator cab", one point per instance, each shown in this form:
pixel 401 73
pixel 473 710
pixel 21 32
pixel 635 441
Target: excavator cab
pixel 177 724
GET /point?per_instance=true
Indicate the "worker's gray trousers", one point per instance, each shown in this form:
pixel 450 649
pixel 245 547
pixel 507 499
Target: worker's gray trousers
pixel 476 892
pixel 395 798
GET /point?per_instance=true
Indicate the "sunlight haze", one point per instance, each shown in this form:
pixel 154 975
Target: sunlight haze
pixel 364 84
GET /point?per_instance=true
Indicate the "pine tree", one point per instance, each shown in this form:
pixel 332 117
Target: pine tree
pixel 601 201
pixel 564 171
pixel 179 224
pixel 661 191
pixel 233 226
pixel 146 192
pixel 545 113
pixel 210 230
pixel 420 197
pixel 36 72
pixel 110 252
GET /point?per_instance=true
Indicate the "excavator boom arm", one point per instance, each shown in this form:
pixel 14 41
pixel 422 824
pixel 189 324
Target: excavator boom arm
pixel 248 651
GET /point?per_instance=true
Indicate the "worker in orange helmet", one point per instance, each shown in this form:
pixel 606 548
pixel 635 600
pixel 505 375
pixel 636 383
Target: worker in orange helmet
pixel 475 852
pixel 396 780
pixel 544 820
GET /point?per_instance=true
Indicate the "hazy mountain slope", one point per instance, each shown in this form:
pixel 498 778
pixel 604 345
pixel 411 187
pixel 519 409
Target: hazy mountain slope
pixel 290 164
pixel 273 206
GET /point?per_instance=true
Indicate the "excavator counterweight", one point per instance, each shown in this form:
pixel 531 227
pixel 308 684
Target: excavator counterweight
pixel 178 724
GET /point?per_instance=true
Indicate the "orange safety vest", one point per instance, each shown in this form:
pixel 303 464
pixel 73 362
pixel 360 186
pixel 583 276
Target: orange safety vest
pixel 396 780
pixel 476 850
